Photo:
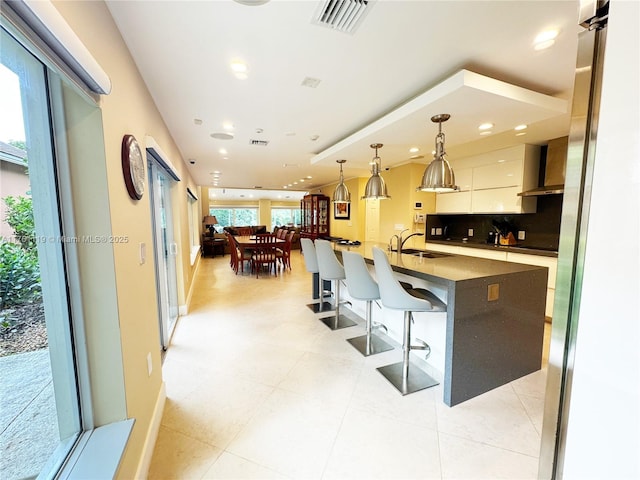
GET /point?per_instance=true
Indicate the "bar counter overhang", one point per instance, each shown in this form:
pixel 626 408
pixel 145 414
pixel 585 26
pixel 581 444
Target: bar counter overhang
pixel 493 330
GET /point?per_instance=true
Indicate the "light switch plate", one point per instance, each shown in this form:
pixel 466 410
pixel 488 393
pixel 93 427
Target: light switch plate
pixel 521 234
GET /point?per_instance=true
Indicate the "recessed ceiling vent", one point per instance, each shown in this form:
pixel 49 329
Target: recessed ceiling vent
pixel 259 143
pixel 342 15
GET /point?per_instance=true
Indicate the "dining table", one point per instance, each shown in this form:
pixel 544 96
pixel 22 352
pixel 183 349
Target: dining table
pixel 249 242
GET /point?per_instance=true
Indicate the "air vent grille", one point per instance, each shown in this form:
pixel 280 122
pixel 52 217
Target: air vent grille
pixel 342 15
pixel 259 143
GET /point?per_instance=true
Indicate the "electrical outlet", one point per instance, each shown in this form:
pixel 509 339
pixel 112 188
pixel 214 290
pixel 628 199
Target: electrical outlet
pixel 521 235
pixel 470 232
pixel 149 363
pixel 438 231
pixel 433 230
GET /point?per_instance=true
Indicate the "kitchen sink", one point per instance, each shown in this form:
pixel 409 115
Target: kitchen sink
pixel 425 253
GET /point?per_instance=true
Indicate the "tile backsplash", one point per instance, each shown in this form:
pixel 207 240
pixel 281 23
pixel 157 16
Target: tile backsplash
pixel 541 229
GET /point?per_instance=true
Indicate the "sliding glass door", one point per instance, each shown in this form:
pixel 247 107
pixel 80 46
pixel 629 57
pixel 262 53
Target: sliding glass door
pixel 165 250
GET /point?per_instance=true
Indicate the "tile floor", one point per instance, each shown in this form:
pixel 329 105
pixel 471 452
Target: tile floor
pixel 257 387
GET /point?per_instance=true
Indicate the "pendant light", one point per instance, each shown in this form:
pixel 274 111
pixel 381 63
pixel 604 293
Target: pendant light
pixel 341 193
pixel 375 188
pixel 438 176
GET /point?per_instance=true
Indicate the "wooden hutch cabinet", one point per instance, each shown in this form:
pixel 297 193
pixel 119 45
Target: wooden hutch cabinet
pixel 315 216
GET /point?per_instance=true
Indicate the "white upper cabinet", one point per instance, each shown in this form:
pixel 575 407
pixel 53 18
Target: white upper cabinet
pixel 490 183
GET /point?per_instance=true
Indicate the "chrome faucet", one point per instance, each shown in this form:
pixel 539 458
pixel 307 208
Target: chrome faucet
pixel 402 242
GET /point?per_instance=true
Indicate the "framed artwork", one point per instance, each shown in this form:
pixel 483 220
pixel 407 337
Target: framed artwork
pixel 341 211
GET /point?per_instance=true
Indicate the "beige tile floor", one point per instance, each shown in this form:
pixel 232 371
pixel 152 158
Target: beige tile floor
pixel 257 387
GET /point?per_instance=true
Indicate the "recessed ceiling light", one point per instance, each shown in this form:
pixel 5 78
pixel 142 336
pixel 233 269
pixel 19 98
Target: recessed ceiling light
pixel 486 132
pixel 295 183
pixel 251 3
pixel 309 177
pixel 285 186
pixel 313 138
pixel 302 179
pixel 216 171
pixel 545 39
pixel 222 136
pixel 228 126
pixel 520 127
pixel 222 151
pixel 197 121
pixel 485 126
pixel 239 67
pixel 519 134
pixel 414 150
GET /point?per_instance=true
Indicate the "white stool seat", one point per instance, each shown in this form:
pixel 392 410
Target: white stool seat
pixel 405 377
pixel 361 286
pixel 311 264
pixel 331 269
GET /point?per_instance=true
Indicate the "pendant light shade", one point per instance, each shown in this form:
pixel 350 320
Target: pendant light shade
pixel 341 193
pixel 375 188
pixel 439 176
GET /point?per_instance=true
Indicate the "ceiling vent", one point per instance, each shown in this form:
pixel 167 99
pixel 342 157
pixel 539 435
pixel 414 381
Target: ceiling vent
pixel 342 15
pixel 259 143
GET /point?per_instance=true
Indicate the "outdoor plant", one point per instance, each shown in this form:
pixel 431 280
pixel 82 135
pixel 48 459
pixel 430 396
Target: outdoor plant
pixel 19 275
pixel 19 216
pixel 19 267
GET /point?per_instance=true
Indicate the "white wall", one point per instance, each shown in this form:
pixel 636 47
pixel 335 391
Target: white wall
pixel 604 423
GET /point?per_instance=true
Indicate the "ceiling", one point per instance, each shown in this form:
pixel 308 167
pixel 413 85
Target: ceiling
pixel 381 83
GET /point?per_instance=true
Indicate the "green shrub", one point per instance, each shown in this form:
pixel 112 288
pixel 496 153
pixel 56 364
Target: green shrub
pixel 19 275
pixel 20 218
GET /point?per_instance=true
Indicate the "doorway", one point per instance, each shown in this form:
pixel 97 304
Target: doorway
pixel 165 250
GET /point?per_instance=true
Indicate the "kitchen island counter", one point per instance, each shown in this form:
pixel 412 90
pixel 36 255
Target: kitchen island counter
pixel 494 327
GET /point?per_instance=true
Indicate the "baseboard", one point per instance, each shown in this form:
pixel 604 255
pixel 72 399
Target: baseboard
pixel 152 435
pixel 184 309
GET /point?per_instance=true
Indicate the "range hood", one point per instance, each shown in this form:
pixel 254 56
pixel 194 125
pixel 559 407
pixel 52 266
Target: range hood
pixel 554 169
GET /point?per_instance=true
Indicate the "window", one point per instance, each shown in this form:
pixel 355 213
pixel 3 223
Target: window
pixel 43 403
pixel 281 216
pixel 237 216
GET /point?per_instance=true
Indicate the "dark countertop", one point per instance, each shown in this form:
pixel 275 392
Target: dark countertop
pixel 543 252
pixel 444 269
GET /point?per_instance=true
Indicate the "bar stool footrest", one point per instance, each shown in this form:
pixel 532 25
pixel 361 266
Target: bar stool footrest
pixel 417 379
pixel 376 345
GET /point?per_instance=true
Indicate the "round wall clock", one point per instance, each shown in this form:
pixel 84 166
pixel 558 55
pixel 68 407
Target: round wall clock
pixel 132 167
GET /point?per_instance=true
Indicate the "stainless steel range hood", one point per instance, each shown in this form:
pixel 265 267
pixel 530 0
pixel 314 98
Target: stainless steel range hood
pixel 554 169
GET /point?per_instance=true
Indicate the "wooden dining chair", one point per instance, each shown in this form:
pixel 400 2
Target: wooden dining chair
pixel 284 253
pixel 265 253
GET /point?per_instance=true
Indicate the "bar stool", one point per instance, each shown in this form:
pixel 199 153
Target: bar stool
pixel 311 264
pixel 330 269
pixel 407 379
pixel 362 287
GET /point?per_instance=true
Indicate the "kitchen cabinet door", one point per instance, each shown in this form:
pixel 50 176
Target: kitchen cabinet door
pixel 457 202
pixel 498 175
pixel 500 200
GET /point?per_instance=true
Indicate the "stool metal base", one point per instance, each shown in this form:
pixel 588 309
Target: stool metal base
pixel 417 379
pixel 375 345
pixel 321 307
pixel 337 323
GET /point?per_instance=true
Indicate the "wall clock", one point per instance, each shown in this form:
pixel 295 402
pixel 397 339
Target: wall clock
pixel 132 167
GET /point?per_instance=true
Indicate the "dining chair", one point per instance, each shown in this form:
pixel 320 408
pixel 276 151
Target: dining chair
pixel 405 376
pixel 264 253
pixel 284 253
